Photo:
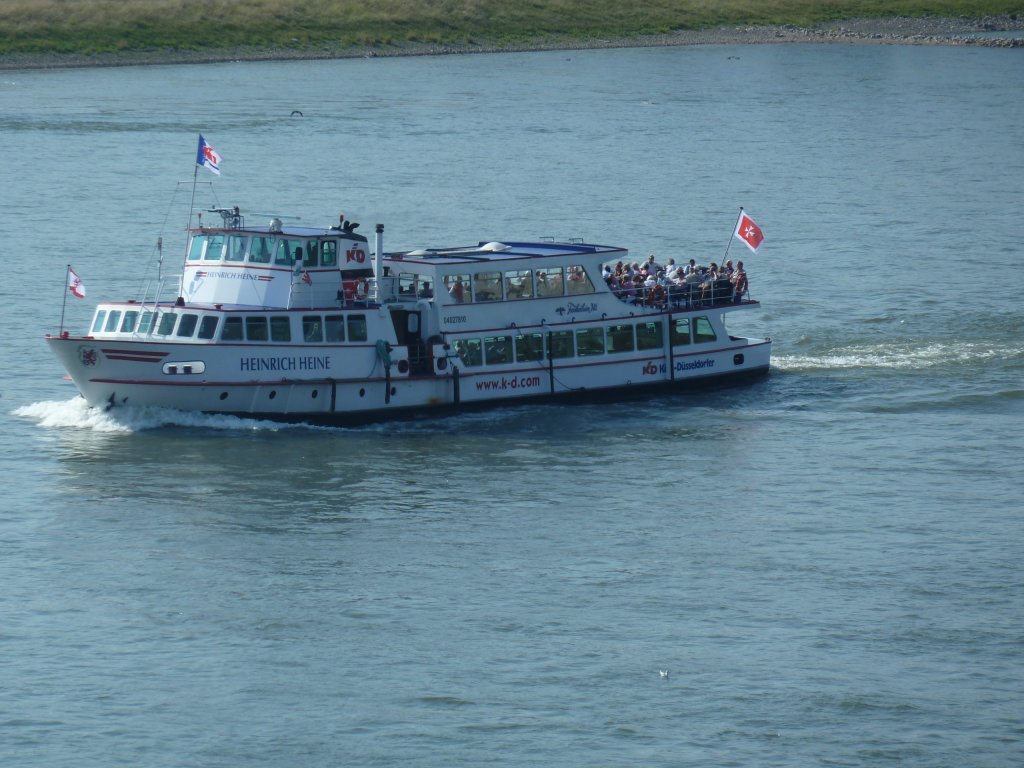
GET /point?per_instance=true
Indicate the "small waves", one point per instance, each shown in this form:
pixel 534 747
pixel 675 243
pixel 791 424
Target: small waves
pixel 896 356
pixel 975 401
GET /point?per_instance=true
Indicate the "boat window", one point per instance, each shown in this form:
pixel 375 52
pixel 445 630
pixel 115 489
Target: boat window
pixel 309 258
pixel 97 324
pixel 357 327
pixel 195 250
pixel 259 251
pixel 280 328
pixel 579 281
pixel 468 351
pixel 208 327
pixel 560 344
pixel 620 338
pixel 256 328
pixel 112 320
pixel 529 347
pixel 407 283
pixel 236 248
pixel 187 326
pixel 702 330
pixel 146 322
pixel 214 248
pixel 312 329
pixel 498 350
pixel 334 327
pixel 519 284
pixel 648 336
pixel 329 253
pixel 130 318
pixel 487 286
pixel 232 329
pixel 458 288
pixel 590 341
pixel 549 282
pixel 286 251
pixel 167 321
pixel 680 331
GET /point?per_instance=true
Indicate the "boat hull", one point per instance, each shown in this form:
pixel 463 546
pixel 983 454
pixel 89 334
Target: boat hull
pixel 113 373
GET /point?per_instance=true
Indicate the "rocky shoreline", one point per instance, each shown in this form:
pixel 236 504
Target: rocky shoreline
pixel 888 31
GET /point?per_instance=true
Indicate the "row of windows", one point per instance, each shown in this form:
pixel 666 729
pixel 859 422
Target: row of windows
pixel 276 328
pixel 516 284
pixel 264 249
pixel 612 339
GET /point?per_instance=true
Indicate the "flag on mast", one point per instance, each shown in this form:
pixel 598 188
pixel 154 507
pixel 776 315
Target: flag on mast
pixel 75 284
pixel 748 232
pixel 207 156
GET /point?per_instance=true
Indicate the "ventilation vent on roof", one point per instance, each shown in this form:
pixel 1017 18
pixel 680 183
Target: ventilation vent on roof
pixel 495 247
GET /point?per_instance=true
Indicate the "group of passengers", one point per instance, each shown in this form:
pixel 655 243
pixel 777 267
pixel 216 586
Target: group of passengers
pixel 656 285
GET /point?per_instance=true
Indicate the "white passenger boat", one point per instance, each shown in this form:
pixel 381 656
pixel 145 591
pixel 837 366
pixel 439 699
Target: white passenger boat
pixel 311 324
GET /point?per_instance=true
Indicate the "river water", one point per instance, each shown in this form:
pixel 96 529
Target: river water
pixel 827 563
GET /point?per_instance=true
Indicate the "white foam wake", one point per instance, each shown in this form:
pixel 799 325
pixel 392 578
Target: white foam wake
pixel 895 356
pixel 75 413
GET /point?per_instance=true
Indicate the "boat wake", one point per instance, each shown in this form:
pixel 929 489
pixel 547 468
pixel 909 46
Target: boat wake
pixel 896 356
pixel 77 414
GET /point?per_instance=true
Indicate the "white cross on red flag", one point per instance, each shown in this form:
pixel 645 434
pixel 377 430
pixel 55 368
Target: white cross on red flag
pixel 749 232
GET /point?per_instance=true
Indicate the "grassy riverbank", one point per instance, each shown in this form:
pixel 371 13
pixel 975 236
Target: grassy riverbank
pixel 125 26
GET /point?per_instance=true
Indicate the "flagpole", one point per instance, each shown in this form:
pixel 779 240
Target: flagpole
pixel 191 204
pixel 727 245
pixel 64 303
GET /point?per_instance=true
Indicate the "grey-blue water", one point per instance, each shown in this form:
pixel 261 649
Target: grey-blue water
pixel 828 563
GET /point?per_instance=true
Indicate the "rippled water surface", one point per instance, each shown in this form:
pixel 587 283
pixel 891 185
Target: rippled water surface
pixel 827 564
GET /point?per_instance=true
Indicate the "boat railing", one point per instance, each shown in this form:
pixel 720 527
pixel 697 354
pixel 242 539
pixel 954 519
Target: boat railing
pixel 720 293
pixel 158 290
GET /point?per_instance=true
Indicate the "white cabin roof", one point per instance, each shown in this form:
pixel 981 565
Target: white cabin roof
pixel 500 251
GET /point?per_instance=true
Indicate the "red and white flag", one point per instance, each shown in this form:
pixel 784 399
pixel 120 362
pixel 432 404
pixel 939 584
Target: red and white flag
pixel 207 156
pixel 306 278
pixel 75 284
pixel 749 232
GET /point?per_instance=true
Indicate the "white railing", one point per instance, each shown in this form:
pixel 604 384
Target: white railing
pixel 690 296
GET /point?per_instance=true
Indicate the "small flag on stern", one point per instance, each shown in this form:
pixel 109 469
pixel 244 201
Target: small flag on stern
pixel 306 278
pixel 749 232
pixel 75 284
pixel 207 156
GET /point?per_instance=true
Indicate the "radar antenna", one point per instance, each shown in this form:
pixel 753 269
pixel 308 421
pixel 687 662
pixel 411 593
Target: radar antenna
pixel 232 217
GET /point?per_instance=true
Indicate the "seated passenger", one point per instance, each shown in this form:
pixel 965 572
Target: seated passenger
pixel 629 289
pixel 656 296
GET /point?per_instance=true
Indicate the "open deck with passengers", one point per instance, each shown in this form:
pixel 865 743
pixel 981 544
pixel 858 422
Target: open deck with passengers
pixel 319 324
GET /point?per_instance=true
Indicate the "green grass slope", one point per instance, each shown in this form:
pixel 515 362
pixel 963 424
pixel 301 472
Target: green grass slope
pixel 105 26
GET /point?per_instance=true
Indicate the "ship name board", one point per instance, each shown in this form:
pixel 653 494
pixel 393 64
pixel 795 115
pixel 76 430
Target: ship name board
pixel 286 363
